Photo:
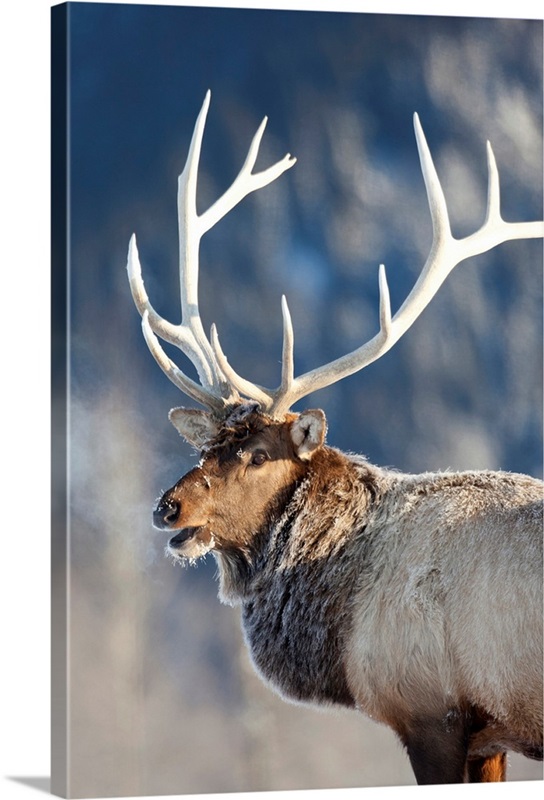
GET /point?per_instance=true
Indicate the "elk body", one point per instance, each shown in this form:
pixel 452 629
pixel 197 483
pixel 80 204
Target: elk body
pixel 416 599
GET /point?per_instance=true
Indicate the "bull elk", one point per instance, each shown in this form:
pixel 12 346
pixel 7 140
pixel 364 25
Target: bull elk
pixel 416 599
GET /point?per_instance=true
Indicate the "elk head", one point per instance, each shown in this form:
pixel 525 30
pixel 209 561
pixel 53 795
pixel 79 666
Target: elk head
pixel 250 464
pixel 253 448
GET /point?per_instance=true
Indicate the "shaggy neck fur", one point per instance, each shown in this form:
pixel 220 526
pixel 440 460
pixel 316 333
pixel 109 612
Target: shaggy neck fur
pixel 300 575
pixel 302 520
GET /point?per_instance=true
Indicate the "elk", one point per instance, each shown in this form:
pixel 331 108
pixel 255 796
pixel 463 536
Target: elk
pixel 416 599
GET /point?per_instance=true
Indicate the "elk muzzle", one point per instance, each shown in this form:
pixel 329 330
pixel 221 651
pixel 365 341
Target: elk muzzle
pixel 190 541
pixel 166 513
pixel 184 510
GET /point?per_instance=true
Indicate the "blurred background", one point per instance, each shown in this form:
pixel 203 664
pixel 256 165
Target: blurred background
pixel 162 696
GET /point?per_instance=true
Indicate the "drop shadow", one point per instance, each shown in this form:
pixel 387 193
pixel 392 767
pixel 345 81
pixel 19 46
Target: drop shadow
pixel 41 784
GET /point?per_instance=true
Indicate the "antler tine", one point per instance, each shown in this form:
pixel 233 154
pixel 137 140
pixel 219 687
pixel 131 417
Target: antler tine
pixel 166 330
pixel 493 219
pixel 189 244
pixel 493 210
pixel 385 303
pixel 245 182
pixel 435 195
pixel 265 397
pixel 243 386
pixel 287 361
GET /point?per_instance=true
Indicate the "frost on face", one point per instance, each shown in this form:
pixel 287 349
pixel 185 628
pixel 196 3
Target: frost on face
pixel 196 551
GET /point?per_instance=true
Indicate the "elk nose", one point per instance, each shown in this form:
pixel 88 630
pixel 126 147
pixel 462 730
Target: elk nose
pixel 166 514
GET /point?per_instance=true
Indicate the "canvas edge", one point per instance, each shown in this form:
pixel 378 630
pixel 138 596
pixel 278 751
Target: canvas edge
pixel 59 405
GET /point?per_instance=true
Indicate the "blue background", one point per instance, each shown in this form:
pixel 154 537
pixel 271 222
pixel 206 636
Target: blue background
pixel 156 675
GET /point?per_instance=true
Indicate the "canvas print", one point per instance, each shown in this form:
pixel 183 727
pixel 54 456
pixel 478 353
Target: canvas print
pixel 297 400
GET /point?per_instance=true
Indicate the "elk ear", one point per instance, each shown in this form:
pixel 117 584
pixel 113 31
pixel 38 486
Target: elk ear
pixel 308 432
pixel 196 427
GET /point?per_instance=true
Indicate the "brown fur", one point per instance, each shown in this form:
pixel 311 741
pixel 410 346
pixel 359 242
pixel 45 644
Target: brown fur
pixel 414 598
pixel 487 770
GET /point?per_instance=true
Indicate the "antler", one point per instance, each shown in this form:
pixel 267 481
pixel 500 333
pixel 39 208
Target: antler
pixel 221 387
pixel 446 252
pixel 215 390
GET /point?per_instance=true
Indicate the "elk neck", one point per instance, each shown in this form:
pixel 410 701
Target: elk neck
pixel 297 584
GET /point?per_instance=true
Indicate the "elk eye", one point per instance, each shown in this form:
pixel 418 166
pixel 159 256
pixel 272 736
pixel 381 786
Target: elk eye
pixel 258 458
